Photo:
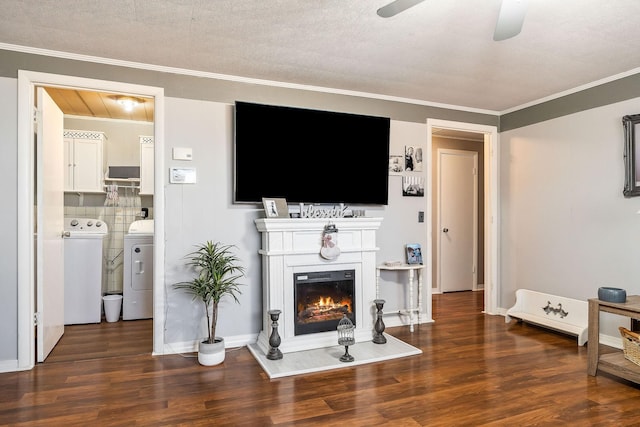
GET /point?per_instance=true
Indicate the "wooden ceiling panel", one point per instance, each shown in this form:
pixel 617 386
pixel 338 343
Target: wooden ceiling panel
pixel 100 104
pixel 95 104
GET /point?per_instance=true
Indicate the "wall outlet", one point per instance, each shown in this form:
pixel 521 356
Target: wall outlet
pixel 420 216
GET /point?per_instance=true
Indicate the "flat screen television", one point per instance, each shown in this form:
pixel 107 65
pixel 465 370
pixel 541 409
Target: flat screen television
pixel 310 156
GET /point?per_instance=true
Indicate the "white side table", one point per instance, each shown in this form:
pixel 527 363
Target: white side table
pixel 411 269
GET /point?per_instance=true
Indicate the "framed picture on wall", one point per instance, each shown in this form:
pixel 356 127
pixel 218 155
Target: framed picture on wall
pixel 414 253
pixel 275 208
pixel 413 158
pixel 396 164
pixel 631 126
pixel 413 186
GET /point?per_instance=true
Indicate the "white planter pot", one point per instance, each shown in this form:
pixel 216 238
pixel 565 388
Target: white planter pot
pixel 211 354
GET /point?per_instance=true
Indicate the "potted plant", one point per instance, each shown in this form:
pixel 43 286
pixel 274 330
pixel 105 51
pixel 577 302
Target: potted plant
pixel 217 273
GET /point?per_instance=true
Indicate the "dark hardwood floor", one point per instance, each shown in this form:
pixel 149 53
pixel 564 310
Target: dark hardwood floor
pixel 102 340
pixel 475 370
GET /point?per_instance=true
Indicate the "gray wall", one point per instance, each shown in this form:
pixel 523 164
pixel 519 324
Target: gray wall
pixel 195 212
pixel 400 225
pixel 566 228
pixel 626 88
pixel 9 219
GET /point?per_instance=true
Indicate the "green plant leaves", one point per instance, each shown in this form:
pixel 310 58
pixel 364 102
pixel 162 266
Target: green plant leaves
pixel 217 273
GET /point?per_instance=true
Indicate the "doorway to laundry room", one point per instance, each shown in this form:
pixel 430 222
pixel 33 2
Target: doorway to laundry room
pixel 108 169
pixel 40 235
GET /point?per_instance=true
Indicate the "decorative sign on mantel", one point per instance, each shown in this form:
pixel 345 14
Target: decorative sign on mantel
pixel 311 211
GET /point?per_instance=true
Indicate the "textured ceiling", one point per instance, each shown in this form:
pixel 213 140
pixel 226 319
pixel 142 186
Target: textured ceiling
pixel 439 51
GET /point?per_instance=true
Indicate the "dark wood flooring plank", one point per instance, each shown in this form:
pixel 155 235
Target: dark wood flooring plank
pixel 475 370
pixel 103 340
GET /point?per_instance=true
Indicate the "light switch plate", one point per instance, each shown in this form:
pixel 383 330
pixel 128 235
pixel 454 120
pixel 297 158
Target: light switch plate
pixel 182 153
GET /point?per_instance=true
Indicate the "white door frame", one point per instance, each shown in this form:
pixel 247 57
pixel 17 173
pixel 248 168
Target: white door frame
pixel 474 156
pixel 27 81
pixel 491 212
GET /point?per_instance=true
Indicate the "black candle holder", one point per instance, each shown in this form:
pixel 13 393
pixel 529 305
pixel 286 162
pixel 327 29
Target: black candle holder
pixel 378 337
pixel 346 357
pixel 274 340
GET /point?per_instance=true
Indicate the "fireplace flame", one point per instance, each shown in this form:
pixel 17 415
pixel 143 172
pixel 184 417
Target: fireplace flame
pixel 323 309
pixel 327 303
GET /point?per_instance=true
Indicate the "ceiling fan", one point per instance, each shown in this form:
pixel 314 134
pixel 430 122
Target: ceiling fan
pixel 509 22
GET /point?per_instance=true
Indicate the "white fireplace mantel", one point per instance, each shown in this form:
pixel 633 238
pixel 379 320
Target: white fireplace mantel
pixel 292 246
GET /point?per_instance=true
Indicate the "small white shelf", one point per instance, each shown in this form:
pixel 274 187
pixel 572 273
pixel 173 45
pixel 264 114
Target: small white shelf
pixel 134 180
pixel 131 183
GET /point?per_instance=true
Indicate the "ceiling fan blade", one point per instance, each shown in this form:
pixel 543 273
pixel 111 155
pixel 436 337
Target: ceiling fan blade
pixel 396 7
pixel 510 19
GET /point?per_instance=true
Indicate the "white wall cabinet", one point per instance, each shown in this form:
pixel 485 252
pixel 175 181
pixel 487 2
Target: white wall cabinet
pixel 83 153
pixel 146 165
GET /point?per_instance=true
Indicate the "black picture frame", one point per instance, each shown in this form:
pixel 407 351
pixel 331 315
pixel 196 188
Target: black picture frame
pixel 630 124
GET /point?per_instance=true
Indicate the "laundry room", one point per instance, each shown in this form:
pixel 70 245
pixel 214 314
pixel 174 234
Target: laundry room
pixel 109 183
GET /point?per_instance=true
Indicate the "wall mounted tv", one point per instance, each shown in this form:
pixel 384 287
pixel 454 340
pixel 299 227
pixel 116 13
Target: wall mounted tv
pixel 310 156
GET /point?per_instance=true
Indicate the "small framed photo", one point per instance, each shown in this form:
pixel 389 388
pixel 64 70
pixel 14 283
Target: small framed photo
pixel 396 164
pixel 412 158
pixel 413 186
pixel 414 253
pixel 275 208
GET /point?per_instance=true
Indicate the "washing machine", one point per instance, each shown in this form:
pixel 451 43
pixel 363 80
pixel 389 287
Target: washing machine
pixel 137 284
pixel 83 270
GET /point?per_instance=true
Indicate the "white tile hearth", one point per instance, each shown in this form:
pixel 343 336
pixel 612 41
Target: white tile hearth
pixel 327 358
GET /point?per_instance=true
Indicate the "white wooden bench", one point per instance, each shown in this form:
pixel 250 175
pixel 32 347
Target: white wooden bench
pixel 551 311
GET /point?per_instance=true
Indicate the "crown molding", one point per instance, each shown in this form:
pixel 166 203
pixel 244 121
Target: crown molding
pixel 232 78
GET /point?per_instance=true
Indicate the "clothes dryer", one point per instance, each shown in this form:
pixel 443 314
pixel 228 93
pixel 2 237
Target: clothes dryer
pixel 137 291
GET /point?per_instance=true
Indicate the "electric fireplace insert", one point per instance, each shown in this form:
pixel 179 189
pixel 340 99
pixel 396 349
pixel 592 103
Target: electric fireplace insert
pixel 322 298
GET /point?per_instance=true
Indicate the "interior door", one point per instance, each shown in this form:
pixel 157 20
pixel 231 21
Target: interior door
pixel 50 225
pixel 457 202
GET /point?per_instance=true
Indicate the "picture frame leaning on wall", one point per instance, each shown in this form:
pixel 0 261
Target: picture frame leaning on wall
pixel 414 253
pixel 275 208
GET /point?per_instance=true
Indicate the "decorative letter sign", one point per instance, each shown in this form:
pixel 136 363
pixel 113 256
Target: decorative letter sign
pixel 315 212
